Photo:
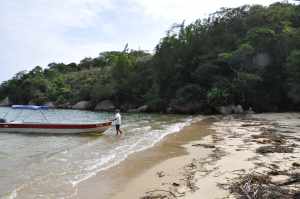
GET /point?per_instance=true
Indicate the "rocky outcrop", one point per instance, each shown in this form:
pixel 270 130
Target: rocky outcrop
pixel 250 111
pixel 105 105
pixel 50 104
pixel 5 102
pixel 231 109
pixel 139 109
pixel 64 106
pixel 189 108
pixel 82 105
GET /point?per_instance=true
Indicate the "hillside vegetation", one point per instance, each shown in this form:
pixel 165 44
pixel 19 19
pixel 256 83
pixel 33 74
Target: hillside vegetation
pixel 248 55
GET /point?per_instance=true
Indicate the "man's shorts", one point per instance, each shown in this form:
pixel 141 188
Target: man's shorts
pixel 117 126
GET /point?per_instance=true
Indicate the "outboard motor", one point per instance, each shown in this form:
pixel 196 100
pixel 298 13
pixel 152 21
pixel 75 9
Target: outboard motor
pixel 2 120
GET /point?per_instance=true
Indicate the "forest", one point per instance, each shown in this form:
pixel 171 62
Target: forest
pixel 248 55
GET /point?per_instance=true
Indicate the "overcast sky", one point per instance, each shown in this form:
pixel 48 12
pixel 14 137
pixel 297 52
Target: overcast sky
pixel 37 32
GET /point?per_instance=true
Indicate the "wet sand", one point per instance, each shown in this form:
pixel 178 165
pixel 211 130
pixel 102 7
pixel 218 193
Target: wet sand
pixel 113 182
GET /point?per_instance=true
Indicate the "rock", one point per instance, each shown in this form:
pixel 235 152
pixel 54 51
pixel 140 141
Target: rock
pixel 50 104
pixel 250 111
pixel 31 102
pixel 127 107
pixel 238 109
pixel 105 105
pixel 188 108
pixel 139 109
pixel 65 105
pixel 231 109
pixel 226 110
pixel 169 110
pixel 280 179
pixel 82 105
pixel 5 102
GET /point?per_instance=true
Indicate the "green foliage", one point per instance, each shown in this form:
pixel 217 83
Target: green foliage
pixel 293 68
pixel 190 93
pixel 217 97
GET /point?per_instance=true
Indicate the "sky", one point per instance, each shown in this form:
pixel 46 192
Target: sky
pixel 38 32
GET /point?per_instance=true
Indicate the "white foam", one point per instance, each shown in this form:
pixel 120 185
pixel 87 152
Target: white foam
pixel 126 150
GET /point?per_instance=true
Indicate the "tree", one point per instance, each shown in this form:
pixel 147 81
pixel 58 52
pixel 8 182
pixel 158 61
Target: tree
pixel 293 68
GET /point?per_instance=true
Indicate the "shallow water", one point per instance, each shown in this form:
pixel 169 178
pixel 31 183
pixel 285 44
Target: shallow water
pixel 49 166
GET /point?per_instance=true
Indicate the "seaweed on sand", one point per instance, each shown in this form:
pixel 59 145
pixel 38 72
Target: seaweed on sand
pixel 274 149
pixel 271 136
pixel 258 186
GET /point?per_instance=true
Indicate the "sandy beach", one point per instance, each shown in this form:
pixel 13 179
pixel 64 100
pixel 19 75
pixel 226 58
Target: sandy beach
pixel 254 156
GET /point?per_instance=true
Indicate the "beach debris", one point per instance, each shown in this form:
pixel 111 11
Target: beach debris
pixel 209 146
pixel 175 184
pixel 191 165
pixel 161 194
pixel 269 136
pixel 296 164
pixel 160 174
pixel 259 186
pixel 274 149
pixel 254 124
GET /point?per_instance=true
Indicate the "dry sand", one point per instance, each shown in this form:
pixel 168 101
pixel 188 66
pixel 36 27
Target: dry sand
pixel 207 160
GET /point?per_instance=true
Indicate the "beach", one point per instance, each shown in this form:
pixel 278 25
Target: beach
pixel 217 157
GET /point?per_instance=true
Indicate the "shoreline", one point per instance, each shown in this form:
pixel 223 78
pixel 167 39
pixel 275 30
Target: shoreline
pixel 106 184
pixel 235 157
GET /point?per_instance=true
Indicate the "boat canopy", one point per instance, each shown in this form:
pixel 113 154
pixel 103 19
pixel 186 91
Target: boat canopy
pixel 30 107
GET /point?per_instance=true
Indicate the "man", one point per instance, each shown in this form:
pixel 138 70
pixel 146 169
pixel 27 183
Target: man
pixel 118 122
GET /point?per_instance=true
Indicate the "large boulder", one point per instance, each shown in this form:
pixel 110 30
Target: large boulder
pixel 5 102
pixel 188 108
pixel 50 104
pixel 105 105
pixel 231 109
pixel 226 110
pixel 127 107
pixel 66 105
pixel 238 109
pixel 139 109
pixel 82 105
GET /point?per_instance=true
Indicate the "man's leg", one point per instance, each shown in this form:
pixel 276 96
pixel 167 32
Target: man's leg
pixel 117 129
pixel 120 131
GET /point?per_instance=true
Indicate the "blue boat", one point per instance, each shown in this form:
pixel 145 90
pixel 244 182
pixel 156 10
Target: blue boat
pixel 30 107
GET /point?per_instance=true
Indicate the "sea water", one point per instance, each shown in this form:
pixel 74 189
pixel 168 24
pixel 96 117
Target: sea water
pixel 51 166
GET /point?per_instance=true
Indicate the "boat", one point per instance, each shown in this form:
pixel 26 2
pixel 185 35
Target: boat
pixel 30 107
pixel 41 128
pixel 50 128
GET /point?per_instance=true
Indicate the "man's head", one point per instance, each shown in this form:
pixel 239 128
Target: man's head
pixel 117 111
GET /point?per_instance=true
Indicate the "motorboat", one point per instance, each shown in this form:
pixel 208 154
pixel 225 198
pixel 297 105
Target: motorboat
pixel 50 128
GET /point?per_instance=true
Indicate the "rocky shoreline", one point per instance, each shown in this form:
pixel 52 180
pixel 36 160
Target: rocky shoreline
pixel 109 106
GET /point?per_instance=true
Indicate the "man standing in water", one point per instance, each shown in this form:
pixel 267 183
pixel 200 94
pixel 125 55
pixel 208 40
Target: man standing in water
pixel 118 122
